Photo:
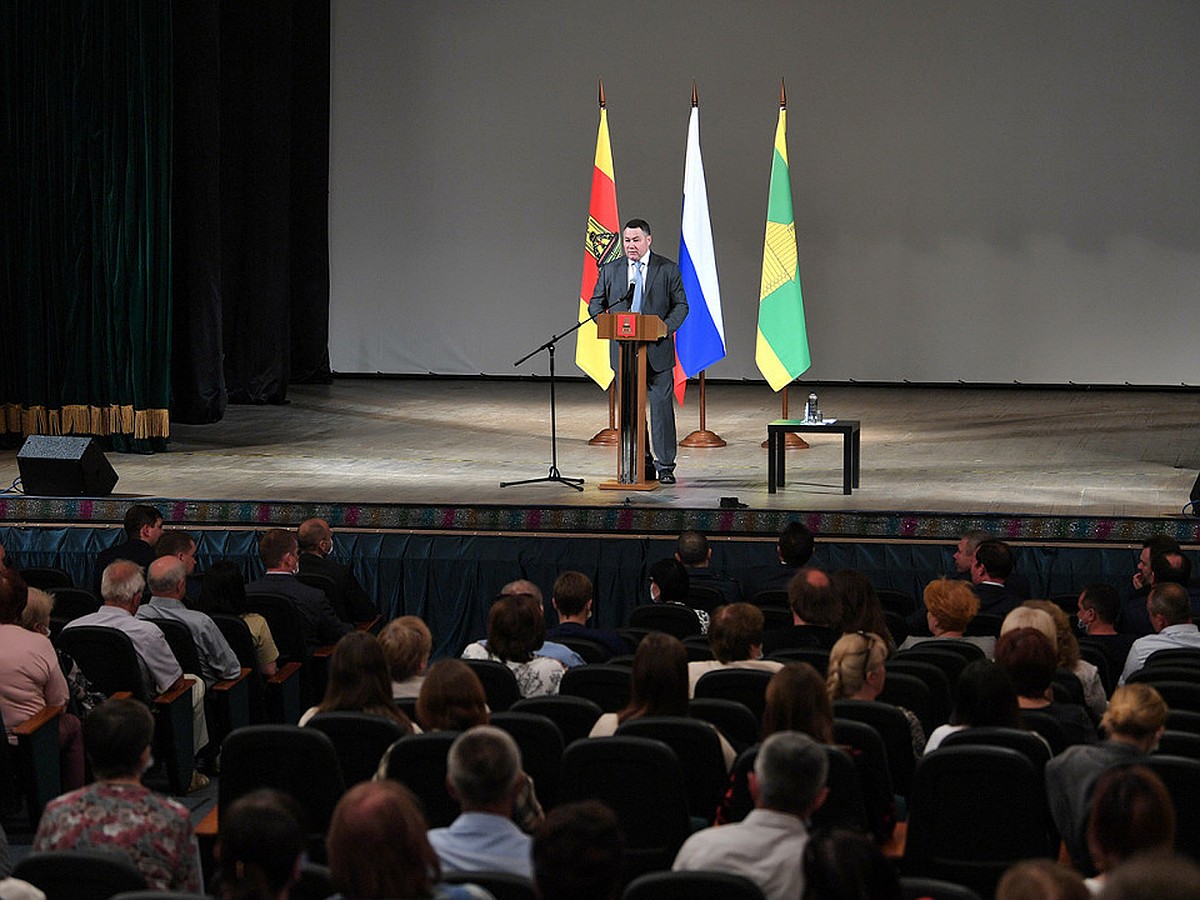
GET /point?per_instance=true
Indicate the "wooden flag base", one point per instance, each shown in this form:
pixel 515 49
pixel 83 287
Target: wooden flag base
pixel 628 486
pixel 608 437
pixel 791 441
pixel 704 438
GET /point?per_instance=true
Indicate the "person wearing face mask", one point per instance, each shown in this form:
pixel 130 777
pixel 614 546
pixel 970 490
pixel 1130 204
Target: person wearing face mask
pixel 669 583
pixel 280 553
pixel 117 813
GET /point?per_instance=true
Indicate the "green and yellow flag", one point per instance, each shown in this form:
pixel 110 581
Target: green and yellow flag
pixel 781 347
pixel 601 243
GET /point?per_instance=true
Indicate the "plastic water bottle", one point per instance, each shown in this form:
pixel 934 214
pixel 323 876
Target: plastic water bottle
pixel 812 410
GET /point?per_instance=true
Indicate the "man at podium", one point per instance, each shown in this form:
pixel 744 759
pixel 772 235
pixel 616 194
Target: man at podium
pixel 646 282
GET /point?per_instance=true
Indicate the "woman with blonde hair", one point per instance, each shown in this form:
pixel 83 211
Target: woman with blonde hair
pixel 1132 724
pixel 406 643
pixel 856 672
pixel 1069 658
pixel 950 605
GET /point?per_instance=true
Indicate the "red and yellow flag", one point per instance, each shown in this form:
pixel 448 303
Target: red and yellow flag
pixel 601 243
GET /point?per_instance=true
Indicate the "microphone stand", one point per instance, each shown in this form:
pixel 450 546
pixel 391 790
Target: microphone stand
pixel 549 346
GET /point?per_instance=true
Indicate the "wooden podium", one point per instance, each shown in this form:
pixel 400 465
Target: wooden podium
pixel 633 331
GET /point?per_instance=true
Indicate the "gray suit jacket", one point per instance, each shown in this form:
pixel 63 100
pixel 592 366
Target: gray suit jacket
pixel 662 296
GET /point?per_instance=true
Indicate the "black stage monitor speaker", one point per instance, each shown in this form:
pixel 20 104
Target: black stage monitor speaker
pixel 60 466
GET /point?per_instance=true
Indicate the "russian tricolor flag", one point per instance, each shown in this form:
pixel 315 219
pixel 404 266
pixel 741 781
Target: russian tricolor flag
pixel 700 340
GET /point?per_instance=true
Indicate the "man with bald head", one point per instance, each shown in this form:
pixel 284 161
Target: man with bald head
pixel 168 585
pixel 349 599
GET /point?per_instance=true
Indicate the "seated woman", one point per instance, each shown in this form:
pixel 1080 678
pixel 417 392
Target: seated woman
pixel 359 681
pixel 452 699
pixel 1030 659
pixel 406 643
pixel 659 687
pixel 861 609
pixel 224 593
pixel 856 672
pixel 260 846
pixel 117 813
pixel 984 697
pixel 669 583
pixel 377 846
pixel 83 694
pixel 1131 813
pixel 1133 724
pixel 950 605
pixel 32 680
pixel 516 628
pixel 1070 659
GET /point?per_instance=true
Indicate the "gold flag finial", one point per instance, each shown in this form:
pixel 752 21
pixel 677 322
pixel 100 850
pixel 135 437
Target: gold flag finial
pixel 601 82
pixel 695 96
pixel 782 94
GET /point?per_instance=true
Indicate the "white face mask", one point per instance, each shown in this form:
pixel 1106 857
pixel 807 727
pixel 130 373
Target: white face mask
pixel 653 592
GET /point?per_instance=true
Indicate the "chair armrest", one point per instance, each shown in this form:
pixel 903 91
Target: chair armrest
pixel 323 652
pixel 368 625
pixel 230 683
pixel 120 695
pixel 283 673
pixel 208 826
pixel 35 722
pixel 181 687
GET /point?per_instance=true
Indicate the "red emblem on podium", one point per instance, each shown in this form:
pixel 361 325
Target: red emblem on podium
pixel 626 324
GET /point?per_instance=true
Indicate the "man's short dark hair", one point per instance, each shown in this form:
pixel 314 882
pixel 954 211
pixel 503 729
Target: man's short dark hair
pixel 638 223
pixel 578 853
pixel 114 734
pixel 692 548
pixel 1161 543
pixel 996 558
pixel 672 580
pixel 1104 600
pixel 274 545
pixel 173 542
pixel 139 516
pixel 1172 567
pixel 796 544
pixel 572 591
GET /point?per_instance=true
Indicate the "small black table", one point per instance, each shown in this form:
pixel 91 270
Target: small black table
pixel 777 444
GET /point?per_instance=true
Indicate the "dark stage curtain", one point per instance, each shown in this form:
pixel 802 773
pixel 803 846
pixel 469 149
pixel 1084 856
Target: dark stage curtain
pixel 85 296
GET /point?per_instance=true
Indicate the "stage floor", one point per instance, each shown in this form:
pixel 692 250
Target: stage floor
pixel 1106 453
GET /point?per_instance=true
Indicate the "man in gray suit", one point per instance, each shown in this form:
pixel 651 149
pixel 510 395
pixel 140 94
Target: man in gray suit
pixel 657 289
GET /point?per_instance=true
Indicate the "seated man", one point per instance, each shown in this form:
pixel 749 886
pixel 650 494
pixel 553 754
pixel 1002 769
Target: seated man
pixel 572 600
pixel 143 527
pixel 990 573
pixel 280 553
pixel 168 585
pixel 735 635
pixel 578 853
pixel 1132 619
pixel 117 812
pixel 693 551
pixel 121 587
pixel 1098 607
pixel 350 600
pixel 816 614
pixel 788 785
pixel 483 773
pixel 181 545
pixel 1170 612
pixel 794 549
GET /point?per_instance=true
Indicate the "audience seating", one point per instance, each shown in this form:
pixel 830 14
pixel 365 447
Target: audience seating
pixel 1048 727
pixel 1182 778
pixel 984 625
pixel 1183 720
pixel 701 596
pixel 1175 656
pixel 30 770
pixel 866 748
pixel 301 762
pixel 633 636
pixel 817 657
pixel 315 883
pixel 607 685
pixel 359 739
pixel 698 648
pixel 1095 654
pixel 46 578
pixel 1179 743
pixel 641 780
pixel 288 634
pixel 499 683
pixel 897 625
pixel 501 885
pixel 574 716
pixel 893 729
pixel 1178 694
pixel 733 719
pixel 970 652
pixel 899 602
pixel 974 811
pixel 418 761
pixel 162 895
pixel 746 686
pixel 1028 743
pixel 106 656
pixel 227 701
pixel 699 750
pixel 909 691
pixel 690 885
pixel 591 651
pixel 275 698
pixel 79 874
pixel 1068 688
pixel 72 603
pixel 680 621
pixel 913 887
pixel 770 597
pixel 941 700
pixel 950 661
pixel 541 745
pixel 776 617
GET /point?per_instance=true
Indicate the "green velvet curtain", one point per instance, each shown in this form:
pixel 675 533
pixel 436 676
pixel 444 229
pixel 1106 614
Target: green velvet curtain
pixel 85 255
